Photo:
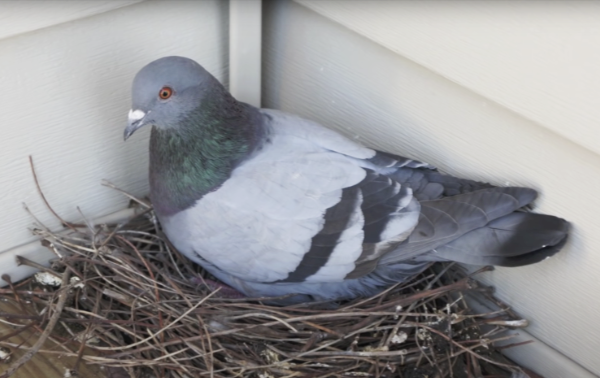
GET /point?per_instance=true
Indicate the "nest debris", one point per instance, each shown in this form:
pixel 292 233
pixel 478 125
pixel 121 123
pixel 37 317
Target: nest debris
pixel 120 296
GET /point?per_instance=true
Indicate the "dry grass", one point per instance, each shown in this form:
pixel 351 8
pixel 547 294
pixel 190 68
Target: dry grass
pixel 140 307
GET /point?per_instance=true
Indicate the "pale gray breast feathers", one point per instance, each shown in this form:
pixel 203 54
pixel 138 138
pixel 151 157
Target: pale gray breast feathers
pixel 261 223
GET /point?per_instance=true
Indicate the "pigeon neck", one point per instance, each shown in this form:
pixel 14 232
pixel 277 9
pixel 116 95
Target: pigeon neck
pixel 196 158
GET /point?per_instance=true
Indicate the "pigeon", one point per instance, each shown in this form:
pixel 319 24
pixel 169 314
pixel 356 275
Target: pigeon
pixel 275 205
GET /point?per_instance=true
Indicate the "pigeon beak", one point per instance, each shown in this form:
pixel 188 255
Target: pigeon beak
pixel 135 120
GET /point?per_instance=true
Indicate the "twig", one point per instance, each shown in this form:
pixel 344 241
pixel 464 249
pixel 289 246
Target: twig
pixel 41 193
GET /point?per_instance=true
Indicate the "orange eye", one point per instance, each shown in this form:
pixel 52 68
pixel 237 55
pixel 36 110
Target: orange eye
pixel 165 93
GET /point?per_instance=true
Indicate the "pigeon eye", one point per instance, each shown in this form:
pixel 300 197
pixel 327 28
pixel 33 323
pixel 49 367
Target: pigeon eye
pixel 165 93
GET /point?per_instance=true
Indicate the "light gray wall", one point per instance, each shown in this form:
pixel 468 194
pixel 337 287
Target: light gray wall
pixel 66 69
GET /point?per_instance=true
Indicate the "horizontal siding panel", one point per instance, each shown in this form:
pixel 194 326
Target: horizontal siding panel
pixel 537 58
pixel 67 106
pixel 323 71
pixel 17 17
pixel 36 252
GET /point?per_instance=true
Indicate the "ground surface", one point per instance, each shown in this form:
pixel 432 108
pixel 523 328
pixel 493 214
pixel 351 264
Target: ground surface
pixel 42 365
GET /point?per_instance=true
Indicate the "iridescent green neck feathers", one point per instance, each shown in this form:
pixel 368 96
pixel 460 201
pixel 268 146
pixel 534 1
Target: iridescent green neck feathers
pixel 198 156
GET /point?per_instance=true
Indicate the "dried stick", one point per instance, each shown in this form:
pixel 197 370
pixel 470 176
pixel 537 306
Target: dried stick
pixel 70 225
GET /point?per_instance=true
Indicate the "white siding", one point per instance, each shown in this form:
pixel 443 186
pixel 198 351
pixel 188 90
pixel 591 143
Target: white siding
pixel 17 16
pixel 539 59
pixel 322 70
pixel 65 96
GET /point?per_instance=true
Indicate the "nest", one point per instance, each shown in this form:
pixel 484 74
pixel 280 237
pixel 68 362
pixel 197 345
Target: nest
pixel 120 296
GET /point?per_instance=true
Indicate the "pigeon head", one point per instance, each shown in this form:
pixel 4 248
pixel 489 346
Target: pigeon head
pixel 164 91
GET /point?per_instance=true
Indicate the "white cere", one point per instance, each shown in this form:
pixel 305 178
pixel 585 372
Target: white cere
pixel 135 115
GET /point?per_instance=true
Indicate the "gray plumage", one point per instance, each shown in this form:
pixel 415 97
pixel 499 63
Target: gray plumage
pixel 274 204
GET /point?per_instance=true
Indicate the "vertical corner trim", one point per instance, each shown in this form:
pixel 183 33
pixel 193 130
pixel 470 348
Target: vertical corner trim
pixel 245 33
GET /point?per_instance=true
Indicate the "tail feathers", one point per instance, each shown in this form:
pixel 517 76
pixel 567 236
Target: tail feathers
pixel 449 218
pixel 513 240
